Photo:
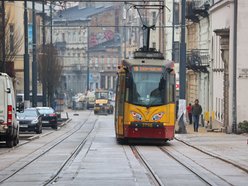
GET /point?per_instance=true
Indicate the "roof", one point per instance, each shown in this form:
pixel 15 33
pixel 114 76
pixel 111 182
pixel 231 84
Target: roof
pixel 77 14
pixel 147 62
pixel 114 43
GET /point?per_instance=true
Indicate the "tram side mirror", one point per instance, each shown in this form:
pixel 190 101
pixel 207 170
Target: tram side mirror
pixel 162 84
pixel 169 70
pixel 127 82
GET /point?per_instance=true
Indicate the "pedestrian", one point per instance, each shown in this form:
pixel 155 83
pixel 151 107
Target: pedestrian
pixel 189 111
pixel 196 112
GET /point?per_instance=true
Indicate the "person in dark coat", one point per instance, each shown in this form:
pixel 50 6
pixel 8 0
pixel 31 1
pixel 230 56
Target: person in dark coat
pixel 196 112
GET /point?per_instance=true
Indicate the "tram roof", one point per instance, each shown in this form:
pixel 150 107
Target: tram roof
pixel 147 62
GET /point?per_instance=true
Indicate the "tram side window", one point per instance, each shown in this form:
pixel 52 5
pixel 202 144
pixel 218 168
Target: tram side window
pixel 121 92
pixel 170 88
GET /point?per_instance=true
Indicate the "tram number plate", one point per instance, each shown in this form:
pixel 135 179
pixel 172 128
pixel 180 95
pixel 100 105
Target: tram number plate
pixel 146 125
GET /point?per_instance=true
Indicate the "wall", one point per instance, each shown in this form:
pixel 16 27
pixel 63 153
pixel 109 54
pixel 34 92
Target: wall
pixel 242 65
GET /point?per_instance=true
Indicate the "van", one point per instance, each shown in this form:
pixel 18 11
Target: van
pixel 9 127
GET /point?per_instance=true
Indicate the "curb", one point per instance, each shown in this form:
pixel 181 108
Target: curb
pixel 66 122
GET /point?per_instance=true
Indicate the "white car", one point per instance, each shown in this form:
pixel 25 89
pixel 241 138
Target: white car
pixel 9 127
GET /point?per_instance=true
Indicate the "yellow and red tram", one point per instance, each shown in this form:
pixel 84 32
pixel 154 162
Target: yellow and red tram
pixel 145 98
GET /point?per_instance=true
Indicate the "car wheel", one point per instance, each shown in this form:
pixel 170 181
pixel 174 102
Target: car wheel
pixel 10 143
pixel 39 130
pixel 55 127
pixel 16 140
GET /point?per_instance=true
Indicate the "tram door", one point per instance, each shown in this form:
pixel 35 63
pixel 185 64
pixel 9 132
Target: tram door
pixel 119 107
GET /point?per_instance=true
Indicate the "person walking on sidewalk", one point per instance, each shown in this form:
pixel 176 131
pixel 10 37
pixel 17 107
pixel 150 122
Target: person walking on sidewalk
pixel 196 112
pixel 189 111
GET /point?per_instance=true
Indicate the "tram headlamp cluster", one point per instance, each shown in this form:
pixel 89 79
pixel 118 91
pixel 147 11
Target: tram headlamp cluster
pixel 136 116
pixel 157 116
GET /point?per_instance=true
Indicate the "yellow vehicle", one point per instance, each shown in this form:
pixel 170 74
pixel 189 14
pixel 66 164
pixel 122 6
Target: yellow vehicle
pixel 102 102
pixel 145 98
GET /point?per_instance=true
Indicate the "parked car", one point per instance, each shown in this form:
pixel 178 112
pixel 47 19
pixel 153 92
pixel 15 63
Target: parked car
pixel 9 127
pixel 49 117
pixel 30 120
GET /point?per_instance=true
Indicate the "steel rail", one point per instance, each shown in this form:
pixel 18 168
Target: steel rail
pixel 214 156
pixel 71 157
pixel 184 165
pixel 152 175
pixel 58 141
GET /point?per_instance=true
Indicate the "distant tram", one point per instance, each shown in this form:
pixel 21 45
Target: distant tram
pixel 145 98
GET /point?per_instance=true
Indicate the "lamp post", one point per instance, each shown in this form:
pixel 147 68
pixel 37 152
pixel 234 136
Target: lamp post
pixel 26 59
pixel 34 64
pixel 3 38
pixel 44 93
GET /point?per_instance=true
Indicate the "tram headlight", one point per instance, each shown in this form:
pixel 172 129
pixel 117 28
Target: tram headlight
pixel 157 116
pixel 136 116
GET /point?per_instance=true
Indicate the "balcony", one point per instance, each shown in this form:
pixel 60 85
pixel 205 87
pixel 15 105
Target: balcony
pixel 196 9
pixel 198 60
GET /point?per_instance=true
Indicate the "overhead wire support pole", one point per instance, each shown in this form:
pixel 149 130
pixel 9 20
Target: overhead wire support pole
pixel 43 49
pixel 88 59
pixel 182 72
pixel 173 31
pixel 34 64
pixel 3 67
pixel 234 99
pixel 26 59
pixel 51 23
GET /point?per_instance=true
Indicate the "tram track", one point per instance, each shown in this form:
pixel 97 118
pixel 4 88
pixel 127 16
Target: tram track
pixel 71 157
pixel 187 166
pixel 153 177
pixel 207 174
pixel 51 145
pixel 26 140
pixel 214 156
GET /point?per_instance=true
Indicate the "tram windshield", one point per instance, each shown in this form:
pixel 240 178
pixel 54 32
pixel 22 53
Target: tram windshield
pixel 147 86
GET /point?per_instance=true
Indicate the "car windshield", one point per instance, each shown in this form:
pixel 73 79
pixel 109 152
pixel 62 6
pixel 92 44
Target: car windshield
pixel 147 88
pixel 46 111
pixel 28 113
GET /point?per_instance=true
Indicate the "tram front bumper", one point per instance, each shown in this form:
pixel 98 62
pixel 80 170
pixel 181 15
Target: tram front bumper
pixel 163 132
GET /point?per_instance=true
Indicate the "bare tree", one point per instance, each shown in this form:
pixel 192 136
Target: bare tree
pixel 50 69
pixel 13 42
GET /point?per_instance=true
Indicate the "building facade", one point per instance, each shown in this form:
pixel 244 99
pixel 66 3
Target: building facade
pixel 229 28
pixel 83 35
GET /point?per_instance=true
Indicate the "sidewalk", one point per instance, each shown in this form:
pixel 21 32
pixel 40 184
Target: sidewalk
pixel 231 147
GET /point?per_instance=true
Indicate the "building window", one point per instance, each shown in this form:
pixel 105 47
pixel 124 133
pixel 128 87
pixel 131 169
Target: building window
pixel 176 13
pixel 176 51
pixel 11 34
pixel 153 18
pixel 153 44
pixel 63 37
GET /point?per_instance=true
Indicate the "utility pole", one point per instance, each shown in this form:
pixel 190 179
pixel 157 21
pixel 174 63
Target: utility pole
pixel 88 58
pixel 34 64
pixel 44 93
pixel 182 71
pixel 3 67
pixel 173 31
pixel 26 59
pixel 234 80
pixel 51 23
